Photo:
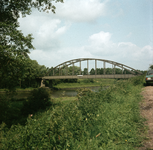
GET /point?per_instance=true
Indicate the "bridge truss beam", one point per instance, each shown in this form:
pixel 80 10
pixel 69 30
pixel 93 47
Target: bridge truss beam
pixel 72 62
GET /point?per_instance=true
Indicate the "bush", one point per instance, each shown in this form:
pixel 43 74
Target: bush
pixel 4 107
pixel 88 81
pixel 38 99
pixel 137 80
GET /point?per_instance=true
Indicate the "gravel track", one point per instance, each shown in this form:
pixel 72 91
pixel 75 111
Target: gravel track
pixel 147 112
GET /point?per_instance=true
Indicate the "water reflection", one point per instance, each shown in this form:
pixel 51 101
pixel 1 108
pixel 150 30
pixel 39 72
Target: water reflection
pixel 56 93
pixel 69 92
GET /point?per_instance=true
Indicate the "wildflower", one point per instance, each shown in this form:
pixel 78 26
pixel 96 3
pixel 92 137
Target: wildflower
pixel 86 118
pixel 125 140
pixel 31 115
pixel 98 115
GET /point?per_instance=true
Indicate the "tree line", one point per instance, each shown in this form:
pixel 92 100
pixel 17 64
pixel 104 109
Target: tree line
pixel 76 71
pixel 28 75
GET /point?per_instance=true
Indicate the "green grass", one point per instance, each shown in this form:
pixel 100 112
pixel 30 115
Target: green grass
pixel 82 83
pixel 20 89
pixel 64 100
pixel 109 119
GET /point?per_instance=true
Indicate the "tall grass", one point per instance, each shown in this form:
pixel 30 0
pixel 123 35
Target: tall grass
pixel 86 83
pixel 108 119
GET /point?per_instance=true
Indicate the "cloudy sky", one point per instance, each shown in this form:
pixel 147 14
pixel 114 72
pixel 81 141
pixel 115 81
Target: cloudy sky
pixel 117 30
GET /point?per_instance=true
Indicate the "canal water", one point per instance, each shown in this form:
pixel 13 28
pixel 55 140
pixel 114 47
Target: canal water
pixel 69 92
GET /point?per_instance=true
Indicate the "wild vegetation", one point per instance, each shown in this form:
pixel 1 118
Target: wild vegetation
pixel 108 119
pixel 14 46
pixel 85 83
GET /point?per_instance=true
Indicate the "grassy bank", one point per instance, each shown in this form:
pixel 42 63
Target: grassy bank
pixel 86 83
pixel 64 100
pixel 109 119
pixel 19 89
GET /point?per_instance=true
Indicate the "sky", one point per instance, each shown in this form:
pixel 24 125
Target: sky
pixel 116 30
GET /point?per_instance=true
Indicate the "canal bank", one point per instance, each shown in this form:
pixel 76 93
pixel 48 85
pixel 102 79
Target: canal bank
pixel 55 93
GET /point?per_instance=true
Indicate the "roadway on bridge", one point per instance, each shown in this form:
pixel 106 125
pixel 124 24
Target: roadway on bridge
pixel 110 76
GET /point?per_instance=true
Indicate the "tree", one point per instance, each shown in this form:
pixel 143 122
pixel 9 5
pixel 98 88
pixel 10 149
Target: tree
pixel 108 70
pixel 32 71
pixel 14 46
pixel 85 71
pixel 92 71
pixel 151 67
pixel 118 71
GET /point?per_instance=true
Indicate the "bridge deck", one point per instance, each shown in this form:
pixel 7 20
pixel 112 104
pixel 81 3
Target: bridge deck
pixel 110 76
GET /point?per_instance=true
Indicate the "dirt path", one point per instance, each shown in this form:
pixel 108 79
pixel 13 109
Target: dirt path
pixel 147 112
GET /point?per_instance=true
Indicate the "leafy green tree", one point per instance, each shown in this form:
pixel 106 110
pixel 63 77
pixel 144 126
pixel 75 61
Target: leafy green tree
pixel 100 71
pixel 151 67
pixel 14 46
pixel 118 71
pixel 108 70
pixel 32 71
pixel 92 71
pixel 69 70
pixel 85 71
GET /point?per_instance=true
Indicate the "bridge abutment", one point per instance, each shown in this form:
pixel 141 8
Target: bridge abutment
pixel 42 83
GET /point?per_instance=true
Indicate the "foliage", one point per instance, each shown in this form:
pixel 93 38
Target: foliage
pixel 38 99
pixel 32 71
pixel 14 46
pixel 108 119
pixel 10 110
pixel 151 67
pixel 88 80
pixel 138 80
pixel 4 107
pixel 83 91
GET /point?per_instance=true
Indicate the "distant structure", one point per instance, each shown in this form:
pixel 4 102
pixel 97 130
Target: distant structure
pixel 57 71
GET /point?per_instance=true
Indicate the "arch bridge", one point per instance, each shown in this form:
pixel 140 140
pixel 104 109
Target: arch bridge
pixel 56 72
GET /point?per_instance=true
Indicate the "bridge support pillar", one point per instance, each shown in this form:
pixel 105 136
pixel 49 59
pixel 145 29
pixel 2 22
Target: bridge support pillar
pixel 114 69
pixel 95 67
pixel 42 83
pixel 80 67
pixel 66 69
pixel 73 69
pixel 87 67
pixel 104 67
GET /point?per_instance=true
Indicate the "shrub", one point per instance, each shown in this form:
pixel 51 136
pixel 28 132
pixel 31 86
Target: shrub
pixel 38 99
pixel 88 81
pixel 137 80
pixel 83 91
pixel 4 107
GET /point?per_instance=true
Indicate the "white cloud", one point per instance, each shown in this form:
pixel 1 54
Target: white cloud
pixel 101 46
pixel 100 38
pixel 46 31
pixel 126 44
pixel 81 10
pixel 52 59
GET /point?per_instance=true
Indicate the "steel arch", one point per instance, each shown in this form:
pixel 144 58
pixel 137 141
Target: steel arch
pixel 73 61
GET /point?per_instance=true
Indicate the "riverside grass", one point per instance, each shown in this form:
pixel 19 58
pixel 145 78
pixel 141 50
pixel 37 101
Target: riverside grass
pixel 108 119
pixel 86 83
